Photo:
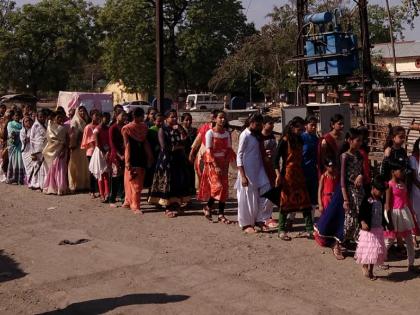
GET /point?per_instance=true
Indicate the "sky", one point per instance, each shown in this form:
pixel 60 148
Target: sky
pixel 257 10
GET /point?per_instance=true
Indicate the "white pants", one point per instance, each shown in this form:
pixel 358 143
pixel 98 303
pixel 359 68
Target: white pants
pixel 39 172
pixel 251 207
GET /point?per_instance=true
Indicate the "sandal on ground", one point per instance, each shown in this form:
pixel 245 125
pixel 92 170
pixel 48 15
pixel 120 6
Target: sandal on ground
pixel 137 211
pixel 171 214
pixel 249 230
pixel 272 223
pixel 337 253
pixel 207 213
pixel 372 277
pixel 223 219
pixel 125 205
pixel 284 237
pixel 113 205
pixel 263 226
pixel 308 235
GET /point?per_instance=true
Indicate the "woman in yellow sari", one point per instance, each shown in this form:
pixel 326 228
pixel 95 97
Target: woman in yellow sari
pixel 55 156
pixel 78 163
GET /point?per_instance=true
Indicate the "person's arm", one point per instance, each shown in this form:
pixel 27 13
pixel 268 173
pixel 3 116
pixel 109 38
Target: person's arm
pixel 240 159
pixel 96 140
pixel 281 147
pixel 388 208
pixel 343 182
pixel 194 147
pixel 320 190
pixel 161 138
pixel 127 151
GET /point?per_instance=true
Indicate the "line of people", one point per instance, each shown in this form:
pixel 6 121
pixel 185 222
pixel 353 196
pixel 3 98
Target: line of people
pixel 115 158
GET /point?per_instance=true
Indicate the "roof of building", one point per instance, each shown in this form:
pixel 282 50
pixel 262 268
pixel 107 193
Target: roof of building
pixel 402 49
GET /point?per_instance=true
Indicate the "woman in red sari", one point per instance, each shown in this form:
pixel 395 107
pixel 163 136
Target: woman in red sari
pixel 138 156
pixel 214 184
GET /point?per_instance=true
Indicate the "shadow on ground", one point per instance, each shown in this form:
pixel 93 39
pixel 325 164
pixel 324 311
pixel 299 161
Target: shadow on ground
pixel 101 306
pixel 9 268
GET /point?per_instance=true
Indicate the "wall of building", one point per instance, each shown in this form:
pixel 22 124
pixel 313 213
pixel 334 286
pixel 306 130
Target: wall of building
pixel 120 95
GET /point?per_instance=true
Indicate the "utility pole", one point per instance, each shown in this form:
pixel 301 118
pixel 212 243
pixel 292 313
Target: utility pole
pixel 367 65
pixel 301 74
pixel 160 93
pixel 394 58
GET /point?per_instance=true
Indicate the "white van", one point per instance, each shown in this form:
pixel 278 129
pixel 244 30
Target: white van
pixel 203 101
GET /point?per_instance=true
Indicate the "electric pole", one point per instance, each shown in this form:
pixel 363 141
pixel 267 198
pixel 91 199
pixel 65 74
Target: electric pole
pixel 301 74
pixel 367 65
pixel 160 82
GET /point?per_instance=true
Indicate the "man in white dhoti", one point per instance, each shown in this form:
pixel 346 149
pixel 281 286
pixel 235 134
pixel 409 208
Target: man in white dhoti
pixel 38 141
pixel 252 182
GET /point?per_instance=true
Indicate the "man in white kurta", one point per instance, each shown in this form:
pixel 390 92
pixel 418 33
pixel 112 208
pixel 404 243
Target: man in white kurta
pixel 38 141
pixel 252 208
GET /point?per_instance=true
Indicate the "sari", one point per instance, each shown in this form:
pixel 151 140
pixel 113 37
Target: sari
pixel 4 154
pixel 78 172
pixel 136 146
pixel 38 141
pixel 55 155
pixel 26 153
pixel 15 169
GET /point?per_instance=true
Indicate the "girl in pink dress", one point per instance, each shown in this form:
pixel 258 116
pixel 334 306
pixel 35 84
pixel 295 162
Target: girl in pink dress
pixel 371 248
pixel 399 217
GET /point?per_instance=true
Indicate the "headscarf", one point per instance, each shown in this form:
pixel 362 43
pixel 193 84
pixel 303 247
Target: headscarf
pixel 136 131
pixel 77 126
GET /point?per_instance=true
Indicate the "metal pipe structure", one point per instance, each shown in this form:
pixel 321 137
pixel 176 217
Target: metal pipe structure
pixel 160 92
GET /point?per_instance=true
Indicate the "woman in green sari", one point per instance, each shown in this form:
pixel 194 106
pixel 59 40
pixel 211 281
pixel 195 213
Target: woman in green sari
pixel 16 168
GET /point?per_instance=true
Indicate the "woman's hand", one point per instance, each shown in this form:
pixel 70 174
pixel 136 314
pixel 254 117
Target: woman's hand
pixel 244 181
pixel 346 205
pixel 365 227
pixel 278 181
pixel 358 182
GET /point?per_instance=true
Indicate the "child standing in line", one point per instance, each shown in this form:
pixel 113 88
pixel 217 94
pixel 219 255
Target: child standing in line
pixel 99 163
pixel 399 217
pixel 371 248
pixel 88 144
pixel 394 151
pixel 327 184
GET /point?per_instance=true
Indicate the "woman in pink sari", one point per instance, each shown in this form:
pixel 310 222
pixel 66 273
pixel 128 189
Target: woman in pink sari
pixel 56 156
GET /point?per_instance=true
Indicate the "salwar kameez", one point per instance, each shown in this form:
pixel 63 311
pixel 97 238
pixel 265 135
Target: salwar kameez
pixel 116 158
pixel 137 152
pixel 215 178
pixel 38 141
pixel 172 184
pixel 16 168
pixel 252 208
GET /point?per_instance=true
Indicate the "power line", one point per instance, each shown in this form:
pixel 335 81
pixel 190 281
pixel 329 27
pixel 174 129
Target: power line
pixel 249 5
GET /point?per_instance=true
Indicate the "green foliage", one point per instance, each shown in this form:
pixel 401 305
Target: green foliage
pixel 45 42
pixel 198 34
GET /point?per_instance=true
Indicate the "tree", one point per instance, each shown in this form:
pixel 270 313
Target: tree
pixel 45 42
pixel 264 55
pixel 198 34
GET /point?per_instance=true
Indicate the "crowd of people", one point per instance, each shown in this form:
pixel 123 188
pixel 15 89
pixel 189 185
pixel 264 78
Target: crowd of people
pixel 116 156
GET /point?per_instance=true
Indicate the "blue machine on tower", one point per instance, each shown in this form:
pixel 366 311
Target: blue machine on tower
pixel 329 51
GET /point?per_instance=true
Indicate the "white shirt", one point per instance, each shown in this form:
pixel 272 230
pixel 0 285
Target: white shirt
pixel 249 156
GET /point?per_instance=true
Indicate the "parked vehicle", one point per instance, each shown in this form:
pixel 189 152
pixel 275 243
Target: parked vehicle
pixel 130 106
pixel 203 101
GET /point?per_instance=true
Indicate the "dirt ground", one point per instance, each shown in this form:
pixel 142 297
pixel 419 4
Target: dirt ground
pixel 154 265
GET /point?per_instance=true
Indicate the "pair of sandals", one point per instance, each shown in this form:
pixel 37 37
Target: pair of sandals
pixel 221 218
